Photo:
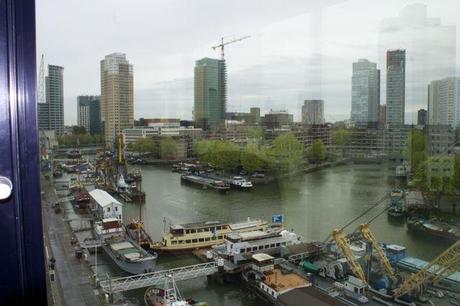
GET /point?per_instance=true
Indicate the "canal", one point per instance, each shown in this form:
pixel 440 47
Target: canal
pixel 312 204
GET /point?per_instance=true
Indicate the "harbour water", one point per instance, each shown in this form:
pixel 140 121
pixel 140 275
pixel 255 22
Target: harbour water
pixel 312 204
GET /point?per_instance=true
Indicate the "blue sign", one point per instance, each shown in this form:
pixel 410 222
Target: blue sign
pixel 277 218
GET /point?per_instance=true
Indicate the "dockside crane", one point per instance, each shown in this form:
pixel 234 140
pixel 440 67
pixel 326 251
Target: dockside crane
pixel 223 44
pixel 441 267
pixel 344 244
pixel 369 236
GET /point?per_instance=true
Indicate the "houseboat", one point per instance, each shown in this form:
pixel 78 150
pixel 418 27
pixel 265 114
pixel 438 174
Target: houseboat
pixel 187 237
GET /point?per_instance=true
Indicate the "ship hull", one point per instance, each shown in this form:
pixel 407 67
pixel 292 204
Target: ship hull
pixel 135 267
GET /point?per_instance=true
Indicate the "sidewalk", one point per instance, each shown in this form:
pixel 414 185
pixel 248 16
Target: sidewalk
pixel 72 277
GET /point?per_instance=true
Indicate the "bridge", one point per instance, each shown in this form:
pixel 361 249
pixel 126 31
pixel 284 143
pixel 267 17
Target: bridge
pixel 120 284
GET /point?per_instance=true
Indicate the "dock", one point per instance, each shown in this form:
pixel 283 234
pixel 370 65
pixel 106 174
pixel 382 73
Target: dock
pixel 70 283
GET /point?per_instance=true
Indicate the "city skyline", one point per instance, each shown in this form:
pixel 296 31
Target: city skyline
pixel 272 77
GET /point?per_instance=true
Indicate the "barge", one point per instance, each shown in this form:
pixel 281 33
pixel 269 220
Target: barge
pixel 123 251
pixel 205 183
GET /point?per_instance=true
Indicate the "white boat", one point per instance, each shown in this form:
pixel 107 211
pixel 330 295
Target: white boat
pixel 241 183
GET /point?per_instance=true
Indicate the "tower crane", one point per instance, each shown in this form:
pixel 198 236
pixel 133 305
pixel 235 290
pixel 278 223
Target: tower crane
pixel 222 44
pixel 441 267
pixel 369 236
pixel 344 244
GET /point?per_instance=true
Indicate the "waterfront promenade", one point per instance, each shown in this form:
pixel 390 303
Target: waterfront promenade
pixel 73 280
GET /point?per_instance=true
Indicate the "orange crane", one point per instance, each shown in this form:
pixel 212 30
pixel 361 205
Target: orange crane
pixel 222 44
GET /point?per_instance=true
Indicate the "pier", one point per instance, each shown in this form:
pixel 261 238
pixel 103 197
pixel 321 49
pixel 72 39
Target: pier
pixel 120 284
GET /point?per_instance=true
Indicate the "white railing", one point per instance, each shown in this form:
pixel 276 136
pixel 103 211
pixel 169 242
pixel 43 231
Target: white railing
pixel 114 285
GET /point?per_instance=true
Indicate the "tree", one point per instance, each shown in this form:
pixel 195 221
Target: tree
pixel 287 152
pixel 256 133
pixel 253 158
pixel 341 139
pixel 225 155
pixel 415 149
pixel 456 177
pixel 145 145
pixel 78 130
pixel 168 148
pixel 317 152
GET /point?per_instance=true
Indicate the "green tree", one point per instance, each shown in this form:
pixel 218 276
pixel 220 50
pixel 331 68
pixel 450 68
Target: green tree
pixel 78 130
pixel 201 149
pixel 256 133
pixel 168 148
pixel 145 145
pixel 341 138
pixel 225 155
pixel 456 177
pixel 317 152
pixel 253 158
pixel 287 152
pixel 415 149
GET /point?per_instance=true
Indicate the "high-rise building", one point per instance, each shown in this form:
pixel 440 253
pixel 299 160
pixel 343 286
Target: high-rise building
pixel 430 46
pixel 89 113
pixel 210 93
pixel 117 102
pixel 255 112
pixel 382 115
pixel 313 112
pixel 365 92
pixel 396 86
pixel 51 113
pixel 422 117
pixel 444 102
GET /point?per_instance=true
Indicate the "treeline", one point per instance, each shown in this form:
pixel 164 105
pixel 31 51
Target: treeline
pixel 165 149
pixel 285 154
pixel 74 140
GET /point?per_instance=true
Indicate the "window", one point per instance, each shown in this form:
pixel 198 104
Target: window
pixel 324 111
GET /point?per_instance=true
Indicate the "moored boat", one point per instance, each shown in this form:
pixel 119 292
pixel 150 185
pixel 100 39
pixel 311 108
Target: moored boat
pixel 396 207
pixel 123 251
pixel 205 182
pixel 182 238
pixel 169 295
pixel 434 228
pixel 240 182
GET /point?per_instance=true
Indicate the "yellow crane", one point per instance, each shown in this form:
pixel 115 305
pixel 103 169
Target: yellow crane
pixel 441 267
pixel 344 244
pixel 369 236
pixel 222 44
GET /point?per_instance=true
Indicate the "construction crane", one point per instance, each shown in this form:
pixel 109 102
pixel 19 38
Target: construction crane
pixel 222 44
pixel 344 244
pixel 369 236
pixel 441 267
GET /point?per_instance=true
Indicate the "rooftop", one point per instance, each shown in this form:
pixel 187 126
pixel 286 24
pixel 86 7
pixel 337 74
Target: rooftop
pixel 281 282
pixel 259 257
pixel 102 198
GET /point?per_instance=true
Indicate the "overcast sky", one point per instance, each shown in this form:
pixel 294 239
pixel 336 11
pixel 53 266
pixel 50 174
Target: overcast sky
pixel 298 49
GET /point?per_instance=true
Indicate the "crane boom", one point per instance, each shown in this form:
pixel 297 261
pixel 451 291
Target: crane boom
pixel 344 245
pixel 444 265
pixel 369 236
pixel 222 44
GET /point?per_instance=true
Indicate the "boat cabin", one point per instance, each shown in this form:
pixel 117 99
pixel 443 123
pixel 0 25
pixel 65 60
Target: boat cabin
pixel 106 206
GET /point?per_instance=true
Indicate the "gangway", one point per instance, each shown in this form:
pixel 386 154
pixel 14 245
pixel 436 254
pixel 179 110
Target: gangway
pixel 120 284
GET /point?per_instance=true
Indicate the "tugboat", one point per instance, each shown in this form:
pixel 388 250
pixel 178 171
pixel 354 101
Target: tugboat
pixel 397 207
pixel 168 296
